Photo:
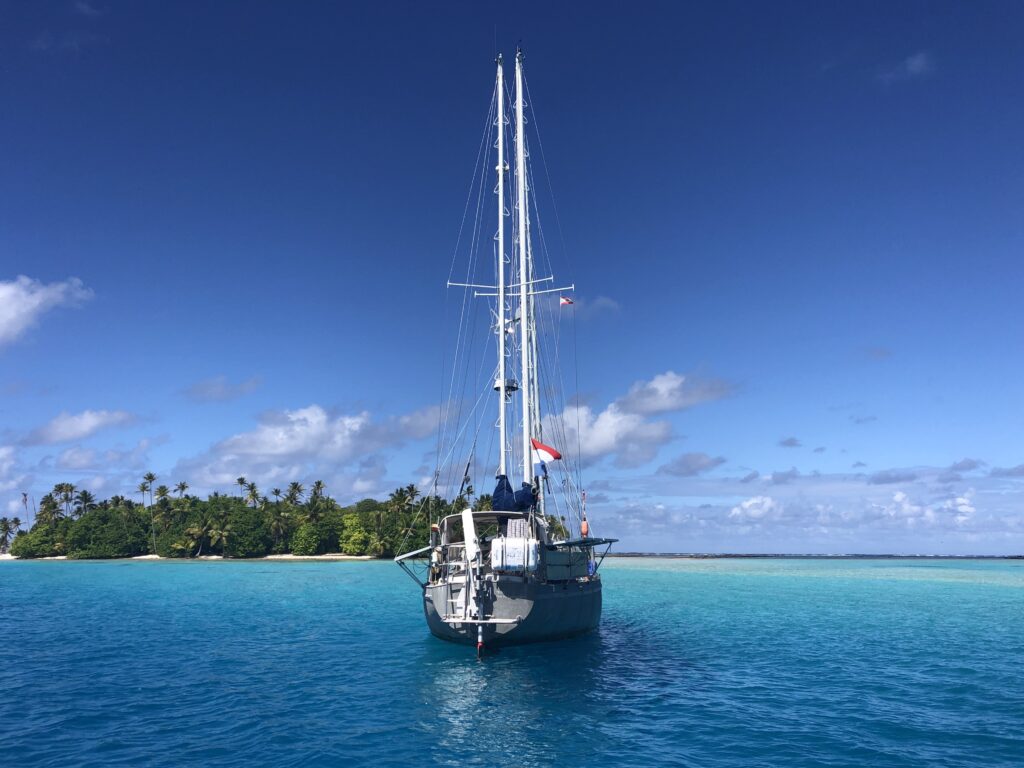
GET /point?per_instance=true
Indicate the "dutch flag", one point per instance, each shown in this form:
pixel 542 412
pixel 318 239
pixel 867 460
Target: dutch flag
pixel 544 453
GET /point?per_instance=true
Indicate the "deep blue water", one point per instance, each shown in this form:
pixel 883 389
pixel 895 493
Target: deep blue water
pixel 703 663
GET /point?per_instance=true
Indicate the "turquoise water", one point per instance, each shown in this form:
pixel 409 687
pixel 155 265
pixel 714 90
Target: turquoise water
pixel 703 663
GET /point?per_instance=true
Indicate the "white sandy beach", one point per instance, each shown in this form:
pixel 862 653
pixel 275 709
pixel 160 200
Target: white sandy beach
pixel 329 556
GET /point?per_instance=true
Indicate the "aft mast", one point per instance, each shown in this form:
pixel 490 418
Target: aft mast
pixel 524 274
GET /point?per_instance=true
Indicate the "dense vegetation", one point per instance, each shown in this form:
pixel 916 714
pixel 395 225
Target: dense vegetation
pixel 173 523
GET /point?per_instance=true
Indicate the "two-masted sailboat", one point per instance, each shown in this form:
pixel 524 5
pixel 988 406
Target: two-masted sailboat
pixel 523 567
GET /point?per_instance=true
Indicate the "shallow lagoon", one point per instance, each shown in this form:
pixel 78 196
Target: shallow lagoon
pixel 698 662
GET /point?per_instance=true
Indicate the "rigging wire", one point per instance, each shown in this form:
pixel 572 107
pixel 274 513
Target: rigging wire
pixel 443 422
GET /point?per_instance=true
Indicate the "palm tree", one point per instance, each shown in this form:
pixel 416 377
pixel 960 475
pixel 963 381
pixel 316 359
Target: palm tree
pixel 84 501
pixel 398 503
pixel 162 492
pixel 242 482
pixel 144 486
pixel 49 510
pixel 219 535
pixel 150 478
pixel 276 493
pixel 252 494
pixel 314 511
pixel 198 534
pixel 295 491
pixel 181 488
pixel 317 490
pixel 278 523
pixel 6 530
pixel 66 493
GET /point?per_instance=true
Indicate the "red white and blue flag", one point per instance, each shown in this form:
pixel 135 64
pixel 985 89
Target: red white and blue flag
pixel 565 301
pixel 544 453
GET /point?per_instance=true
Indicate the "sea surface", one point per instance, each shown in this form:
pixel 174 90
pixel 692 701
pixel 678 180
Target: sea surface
pixel 697 662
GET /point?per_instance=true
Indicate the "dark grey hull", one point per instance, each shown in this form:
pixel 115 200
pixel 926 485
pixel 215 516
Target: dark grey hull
pixel 534 611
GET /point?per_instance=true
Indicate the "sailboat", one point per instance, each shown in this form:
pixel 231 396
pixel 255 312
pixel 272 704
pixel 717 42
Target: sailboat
pixel 520 566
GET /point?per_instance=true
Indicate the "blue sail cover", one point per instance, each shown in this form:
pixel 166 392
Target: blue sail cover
pixel 507 500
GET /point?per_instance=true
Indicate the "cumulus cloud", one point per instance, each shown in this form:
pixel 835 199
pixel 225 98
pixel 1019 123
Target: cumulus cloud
pixel 23 301
pixel 629 437
pixel 303 433
pixel 789 442
pixel 10 478
pixel 962 507
pixel 691 464
pixel 295 444
pixel 624 428
pixel 219 389
pixel 68 427
pixel 833 513
pixel 755 508
pixel 77 458
pixel 909 513
pixel 671 391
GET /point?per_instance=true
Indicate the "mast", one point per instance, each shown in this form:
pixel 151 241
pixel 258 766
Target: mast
pixel 524 303
pixel 501 269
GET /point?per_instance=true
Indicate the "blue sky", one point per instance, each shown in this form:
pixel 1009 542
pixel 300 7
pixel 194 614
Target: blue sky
pixel 796 232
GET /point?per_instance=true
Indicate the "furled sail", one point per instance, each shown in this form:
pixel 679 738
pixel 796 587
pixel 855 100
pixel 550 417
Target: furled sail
pixel 505 499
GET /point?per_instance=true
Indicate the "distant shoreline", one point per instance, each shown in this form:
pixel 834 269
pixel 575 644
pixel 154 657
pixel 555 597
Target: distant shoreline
pixel 203 558
pixel 337 557
pixel 769 556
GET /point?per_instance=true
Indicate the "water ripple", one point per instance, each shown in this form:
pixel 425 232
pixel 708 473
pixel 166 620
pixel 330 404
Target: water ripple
pixel 702 663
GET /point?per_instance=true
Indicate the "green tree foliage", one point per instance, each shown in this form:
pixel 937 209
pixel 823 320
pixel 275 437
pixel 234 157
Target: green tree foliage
pixel 250 533
pixel 306 540
pixel 74 523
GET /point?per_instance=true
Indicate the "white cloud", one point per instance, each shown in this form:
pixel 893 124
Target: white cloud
pixel 10 478
pixel 420 423
pixel 902 508
pixel 755 508
pixel 77 458
pixel 631 438
pixel 308 442
pixel 671 391
pixel 24 300
pixel 299 434
pixel 623 429
pixel 68 427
